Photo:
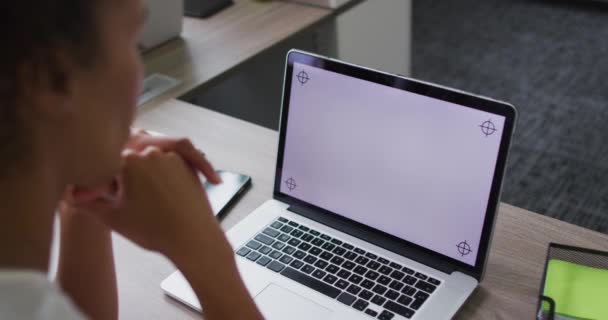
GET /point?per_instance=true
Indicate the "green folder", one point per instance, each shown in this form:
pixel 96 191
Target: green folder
pixel 579 292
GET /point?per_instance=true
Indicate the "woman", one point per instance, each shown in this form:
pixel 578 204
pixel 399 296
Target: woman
pixel 70 74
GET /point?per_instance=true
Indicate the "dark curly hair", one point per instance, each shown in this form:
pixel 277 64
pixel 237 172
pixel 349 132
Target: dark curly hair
pixel 32 31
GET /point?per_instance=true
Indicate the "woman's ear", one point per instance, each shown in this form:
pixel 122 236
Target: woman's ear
pixel 48 85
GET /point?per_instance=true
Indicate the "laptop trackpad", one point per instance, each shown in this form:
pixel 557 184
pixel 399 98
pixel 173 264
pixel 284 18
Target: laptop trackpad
pixel 277 303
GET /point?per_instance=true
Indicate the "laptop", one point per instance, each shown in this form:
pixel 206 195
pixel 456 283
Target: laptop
pixel 385 197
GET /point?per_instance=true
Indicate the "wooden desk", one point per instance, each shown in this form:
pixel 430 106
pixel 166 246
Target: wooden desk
pixel 518 251
pixel 213 47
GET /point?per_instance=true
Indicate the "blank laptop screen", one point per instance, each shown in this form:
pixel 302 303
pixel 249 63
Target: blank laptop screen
pixel 412 166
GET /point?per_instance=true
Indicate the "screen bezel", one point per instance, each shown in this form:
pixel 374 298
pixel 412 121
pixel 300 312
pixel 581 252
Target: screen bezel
pixel 433 91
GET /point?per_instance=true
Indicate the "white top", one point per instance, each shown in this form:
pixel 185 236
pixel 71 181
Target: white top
pixel 29 295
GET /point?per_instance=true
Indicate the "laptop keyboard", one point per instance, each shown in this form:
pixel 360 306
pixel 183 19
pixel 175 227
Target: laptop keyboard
pixel 371 284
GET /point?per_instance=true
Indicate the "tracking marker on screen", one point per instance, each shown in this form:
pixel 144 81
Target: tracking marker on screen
pixel 291 184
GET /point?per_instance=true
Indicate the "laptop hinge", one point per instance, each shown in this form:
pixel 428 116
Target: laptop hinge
pixel 375 237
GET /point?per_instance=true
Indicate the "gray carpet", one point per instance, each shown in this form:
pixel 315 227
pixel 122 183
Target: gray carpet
pixel 548 58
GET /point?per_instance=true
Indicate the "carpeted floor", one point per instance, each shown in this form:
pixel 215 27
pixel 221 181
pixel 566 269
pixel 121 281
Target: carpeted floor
pixel 548 58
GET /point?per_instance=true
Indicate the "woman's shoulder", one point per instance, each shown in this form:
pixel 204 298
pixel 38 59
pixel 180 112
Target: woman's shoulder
pixel 30 295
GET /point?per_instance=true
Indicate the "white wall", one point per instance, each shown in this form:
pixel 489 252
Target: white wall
pixel 377 34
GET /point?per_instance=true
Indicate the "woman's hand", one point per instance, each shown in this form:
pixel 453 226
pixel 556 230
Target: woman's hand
pixel 160 175
pixel 162 204
pixel 163 207
pixel 140 140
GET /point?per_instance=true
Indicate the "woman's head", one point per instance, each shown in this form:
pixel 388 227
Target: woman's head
pixel 70 74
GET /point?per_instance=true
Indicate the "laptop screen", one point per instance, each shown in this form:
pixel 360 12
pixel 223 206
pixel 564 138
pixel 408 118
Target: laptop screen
pixel 414 167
